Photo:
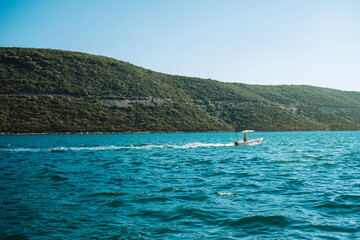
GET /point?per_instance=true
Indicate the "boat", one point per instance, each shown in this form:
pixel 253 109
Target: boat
pixel 246 142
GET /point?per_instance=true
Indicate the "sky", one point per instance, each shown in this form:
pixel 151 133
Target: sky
pixel 267 42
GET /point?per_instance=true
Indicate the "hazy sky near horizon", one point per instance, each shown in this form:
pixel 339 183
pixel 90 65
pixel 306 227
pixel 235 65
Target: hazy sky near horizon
pixel 313 42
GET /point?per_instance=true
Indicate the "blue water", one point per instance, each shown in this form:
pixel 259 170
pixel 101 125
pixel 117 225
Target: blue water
pixel 186 186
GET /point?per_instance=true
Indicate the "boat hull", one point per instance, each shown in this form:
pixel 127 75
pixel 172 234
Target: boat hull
pixel 249 142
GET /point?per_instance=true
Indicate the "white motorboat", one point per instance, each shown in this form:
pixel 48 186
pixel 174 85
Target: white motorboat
pixel 247 142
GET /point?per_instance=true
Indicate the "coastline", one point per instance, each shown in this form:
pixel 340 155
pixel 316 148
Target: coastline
pixel 149 132
pixel 85 133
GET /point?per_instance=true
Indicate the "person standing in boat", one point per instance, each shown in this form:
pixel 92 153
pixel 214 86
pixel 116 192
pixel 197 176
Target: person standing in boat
pixel 245 137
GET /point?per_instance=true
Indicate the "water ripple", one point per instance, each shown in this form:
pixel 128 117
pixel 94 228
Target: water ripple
pixel 180 186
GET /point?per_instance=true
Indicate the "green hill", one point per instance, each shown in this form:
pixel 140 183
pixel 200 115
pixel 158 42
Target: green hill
pixel 45 90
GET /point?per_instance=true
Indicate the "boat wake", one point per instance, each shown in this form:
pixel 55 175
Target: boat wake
pixel 112 147
pixel 200 145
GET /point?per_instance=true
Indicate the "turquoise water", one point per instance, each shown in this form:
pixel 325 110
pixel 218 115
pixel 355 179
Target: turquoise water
pixel 185 185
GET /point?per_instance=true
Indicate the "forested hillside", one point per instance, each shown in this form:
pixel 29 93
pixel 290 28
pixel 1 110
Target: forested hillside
pixel 45 90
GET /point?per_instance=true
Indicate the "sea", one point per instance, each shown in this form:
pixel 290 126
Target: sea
pixel 294 185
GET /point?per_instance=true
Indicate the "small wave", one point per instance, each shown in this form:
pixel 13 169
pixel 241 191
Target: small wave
pixel 349 203
pixel 69 203
pixel 58 178
pixel 335 228
pixel 325 164
pixel 107 194
pixel 335 205
pixel 352 198
pixel 195 213
pixel 226 193
pixel 150 199
pixel 115 204
pixel 259 221
pixel 112 147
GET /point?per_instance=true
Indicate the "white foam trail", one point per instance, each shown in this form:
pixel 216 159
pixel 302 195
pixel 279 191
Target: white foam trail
pixel 21 150
pixel 99 148
pixel 111 147
pixel 150 146
pixel 63 149
pixel 199 145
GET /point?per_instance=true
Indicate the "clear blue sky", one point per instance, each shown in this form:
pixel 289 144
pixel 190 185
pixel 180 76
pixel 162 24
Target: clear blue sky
pixel 314 42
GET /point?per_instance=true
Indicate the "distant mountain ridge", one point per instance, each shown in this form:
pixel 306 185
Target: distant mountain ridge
pixel 45 90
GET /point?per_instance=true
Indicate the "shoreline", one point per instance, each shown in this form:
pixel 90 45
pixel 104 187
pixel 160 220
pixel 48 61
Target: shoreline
pixel 88 133
pixel 150 132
